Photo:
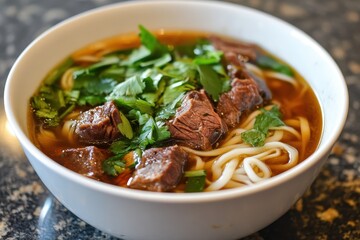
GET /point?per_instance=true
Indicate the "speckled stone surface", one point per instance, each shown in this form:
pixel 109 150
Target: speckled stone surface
pixel 330 209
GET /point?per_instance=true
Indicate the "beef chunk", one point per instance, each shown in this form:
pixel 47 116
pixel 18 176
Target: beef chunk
pixel 248 91
pixel 196 124
pixel 263 88
pixel 86 161
pixel 98 126
pixel 243 97
pixel 235 52
pixel 160 169
pixel 242 73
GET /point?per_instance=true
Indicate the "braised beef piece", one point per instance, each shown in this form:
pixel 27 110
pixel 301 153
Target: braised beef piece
pixel 196 124
pixel 98 126
pixel 242 73
pixel 236 54
pixel 234 51
pixel 263 88
pixel 243 97
pixel 86 161
pixel 160 169
pixel 248 91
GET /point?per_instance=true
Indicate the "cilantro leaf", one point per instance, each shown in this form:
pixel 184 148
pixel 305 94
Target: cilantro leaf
pixel 136 115
pixel 211 81
pixel 51 104
pixel 153 97
pixel 91 100
pixel 151 133
pixel 92 85
pixel 254 137
pixel 121 147
pixel 157 62
pixel 267 119
pixel 151 51
pixel 210 57
pixel 176 90
pixel 134 103
pixel 185 50
pixel 151 42
pixel 104 62
pixel 153 75
pixel 136 55
pixel 117 73
pixel 93 89
pixel 55 74
pixel 94 68
pixel 182 78
pixel 125 127
pixel 167 111
pixel 180 69
pixel 113 166
pixel 267 62
pixel 130 87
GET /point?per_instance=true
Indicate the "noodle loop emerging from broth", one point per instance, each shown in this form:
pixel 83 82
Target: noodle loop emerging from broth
pixel 235 163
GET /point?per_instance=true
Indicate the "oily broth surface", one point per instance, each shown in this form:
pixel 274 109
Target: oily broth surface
pixel 299 101
pixel 296 103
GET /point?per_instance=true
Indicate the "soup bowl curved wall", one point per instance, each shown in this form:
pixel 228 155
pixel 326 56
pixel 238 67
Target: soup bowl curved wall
pixel 133 214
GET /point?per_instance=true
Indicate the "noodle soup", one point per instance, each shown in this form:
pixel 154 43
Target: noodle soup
pixel 176 112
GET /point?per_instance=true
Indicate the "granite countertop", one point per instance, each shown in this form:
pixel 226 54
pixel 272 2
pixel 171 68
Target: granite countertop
pixel 330 209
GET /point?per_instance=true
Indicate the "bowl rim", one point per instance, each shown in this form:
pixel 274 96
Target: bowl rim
pixel 173 197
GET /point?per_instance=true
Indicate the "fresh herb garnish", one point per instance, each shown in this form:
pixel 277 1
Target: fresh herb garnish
pixel 51 104
pixel 149 133
pixel 114 166
pixel 130 87
pixel 151 52
pixel 267 62
pixel 125 127
pixel 146 83
pixel 55 74
pixel 149 41
pixel 211 81
pixel 263 122
pixel 206 54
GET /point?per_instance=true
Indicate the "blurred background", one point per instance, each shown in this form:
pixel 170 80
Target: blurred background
pixel 330 209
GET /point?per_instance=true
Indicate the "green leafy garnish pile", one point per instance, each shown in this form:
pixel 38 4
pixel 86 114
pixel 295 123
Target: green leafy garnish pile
pixel 51 104
pixel 146 83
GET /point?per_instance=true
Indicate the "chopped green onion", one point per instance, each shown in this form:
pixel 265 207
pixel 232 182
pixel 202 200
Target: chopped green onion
pixel 195 181
pixel 195 173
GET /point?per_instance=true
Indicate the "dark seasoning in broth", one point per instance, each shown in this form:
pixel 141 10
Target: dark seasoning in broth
pixel 157 111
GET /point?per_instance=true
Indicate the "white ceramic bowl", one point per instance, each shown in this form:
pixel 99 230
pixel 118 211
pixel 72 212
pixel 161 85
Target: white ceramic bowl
pixel 133 214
